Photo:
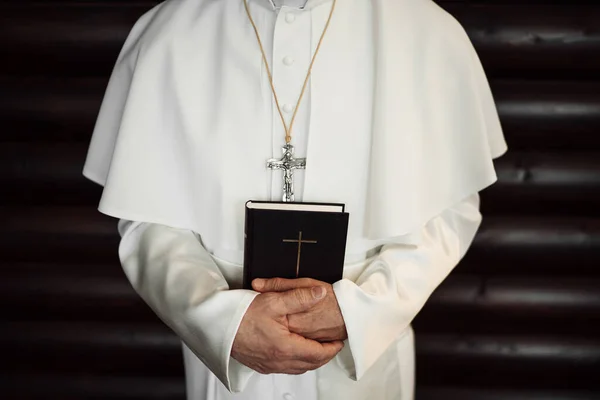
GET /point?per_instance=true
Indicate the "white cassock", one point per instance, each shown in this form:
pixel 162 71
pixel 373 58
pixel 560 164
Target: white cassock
pixel 398 123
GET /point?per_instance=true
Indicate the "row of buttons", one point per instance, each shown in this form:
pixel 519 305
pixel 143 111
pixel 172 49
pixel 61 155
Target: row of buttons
pixel 288 108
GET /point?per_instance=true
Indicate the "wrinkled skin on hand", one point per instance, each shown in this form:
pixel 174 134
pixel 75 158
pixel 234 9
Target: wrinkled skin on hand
pixel 322 322
pixel 265 343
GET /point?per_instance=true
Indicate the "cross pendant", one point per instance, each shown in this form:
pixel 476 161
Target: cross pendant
pixel 287 164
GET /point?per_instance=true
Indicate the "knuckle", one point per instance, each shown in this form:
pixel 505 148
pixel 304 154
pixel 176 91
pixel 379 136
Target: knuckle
pixel 277 303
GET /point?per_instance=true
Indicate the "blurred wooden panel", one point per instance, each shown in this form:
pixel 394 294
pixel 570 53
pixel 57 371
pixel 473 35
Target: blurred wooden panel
pixel 508 361
pixel 63 235
pixel 542 41
pixel 49 109
pixel 487 393
pixel 71 40
pixel 65 387
pixel 552 183
pixel 558 115
pixel 106 349
pixel 70 292
pixel 516 305
pixel 535 246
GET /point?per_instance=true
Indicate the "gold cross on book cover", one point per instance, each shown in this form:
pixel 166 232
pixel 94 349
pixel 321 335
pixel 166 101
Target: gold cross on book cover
pixel 300 242
pixel 318 231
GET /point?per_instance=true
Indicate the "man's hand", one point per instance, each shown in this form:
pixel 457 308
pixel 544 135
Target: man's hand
pixel 265 343
pixel 322 322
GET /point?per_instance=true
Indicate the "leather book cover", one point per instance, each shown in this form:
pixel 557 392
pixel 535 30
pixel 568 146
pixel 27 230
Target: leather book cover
pixel 291 240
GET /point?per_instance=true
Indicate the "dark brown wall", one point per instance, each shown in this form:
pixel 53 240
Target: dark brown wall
pixel 519 319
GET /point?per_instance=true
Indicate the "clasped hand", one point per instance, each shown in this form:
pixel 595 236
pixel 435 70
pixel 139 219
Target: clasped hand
pixel 292 326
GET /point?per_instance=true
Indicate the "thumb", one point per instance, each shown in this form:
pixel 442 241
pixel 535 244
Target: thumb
pixel 300 300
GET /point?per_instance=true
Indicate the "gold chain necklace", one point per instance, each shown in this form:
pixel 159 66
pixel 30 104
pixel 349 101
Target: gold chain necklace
pixel 288 163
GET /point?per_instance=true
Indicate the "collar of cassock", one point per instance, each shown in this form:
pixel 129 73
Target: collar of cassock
pixel 297 4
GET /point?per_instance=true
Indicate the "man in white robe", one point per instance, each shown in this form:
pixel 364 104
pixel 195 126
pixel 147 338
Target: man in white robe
pixel 398 123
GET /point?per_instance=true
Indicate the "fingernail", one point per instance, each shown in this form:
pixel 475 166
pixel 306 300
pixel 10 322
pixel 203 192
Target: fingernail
pixel 318 292
pixel 258 283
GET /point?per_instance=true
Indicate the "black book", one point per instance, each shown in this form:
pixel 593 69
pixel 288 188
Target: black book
pixel 294 240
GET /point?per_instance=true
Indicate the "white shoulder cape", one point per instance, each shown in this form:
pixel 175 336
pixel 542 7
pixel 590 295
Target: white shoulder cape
pixel 183 134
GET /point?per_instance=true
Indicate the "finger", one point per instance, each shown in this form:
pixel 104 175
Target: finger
pixel 332 348
pixel 306 327
pixel 324 353
pixel 281 284
pixel 298 300
pixel 314 352
pixel 296 365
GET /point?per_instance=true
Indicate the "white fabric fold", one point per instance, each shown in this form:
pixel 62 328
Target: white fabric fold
pixel 181 282
pixel 435 127
pixel 402 121
pixel 391 291
pixel 178 279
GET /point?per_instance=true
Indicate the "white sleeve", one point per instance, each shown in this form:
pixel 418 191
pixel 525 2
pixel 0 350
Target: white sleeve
pixel 175 275
pixel 391 291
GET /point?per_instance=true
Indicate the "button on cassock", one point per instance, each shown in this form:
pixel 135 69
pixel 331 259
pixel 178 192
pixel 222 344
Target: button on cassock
pixel 288 108
pixel 288 396
pixel 290 18
pixel 287 60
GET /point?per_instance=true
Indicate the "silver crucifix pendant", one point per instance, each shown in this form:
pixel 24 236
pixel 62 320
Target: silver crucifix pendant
pixel 287 164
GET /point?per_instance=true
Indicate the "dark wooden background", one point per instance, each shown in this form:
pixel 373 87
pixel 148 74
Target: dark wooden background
pixel 518 320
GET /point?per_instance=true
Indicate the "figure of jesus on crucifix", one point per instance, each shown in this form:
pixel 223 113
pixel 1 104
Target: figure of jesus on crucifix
pixel 288 164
